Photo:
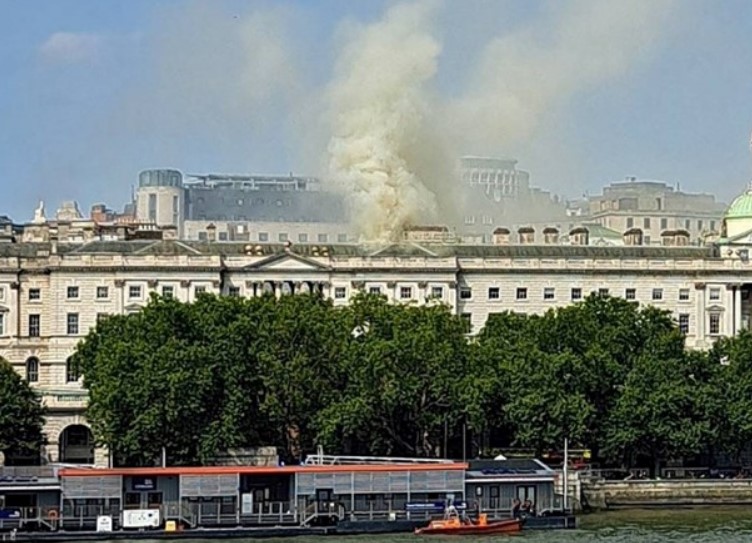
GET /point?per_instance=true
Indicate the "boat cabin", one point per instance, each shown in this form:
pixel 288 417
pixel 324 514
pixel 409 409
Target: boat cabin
pixel 494 484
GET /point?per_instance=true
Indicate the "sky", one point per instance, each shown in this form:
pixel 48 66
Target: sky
pixel 581 92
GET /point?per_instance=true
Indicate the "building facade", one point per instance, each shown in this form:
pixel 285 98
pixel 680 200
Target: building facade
pixel 655 207
pixel 54 288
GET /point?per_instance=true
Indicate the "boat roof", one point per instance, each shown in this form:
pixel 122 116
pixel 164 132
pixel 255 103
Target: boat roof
pixel 257 470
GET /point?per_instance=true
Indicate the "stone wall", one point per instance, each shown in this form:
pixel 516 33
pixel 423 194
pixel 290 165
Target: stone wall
pixel 614 494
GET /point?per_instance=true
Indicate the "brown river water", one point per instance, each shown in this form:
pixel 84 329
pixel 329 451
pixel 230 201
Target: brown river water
pixel 699 525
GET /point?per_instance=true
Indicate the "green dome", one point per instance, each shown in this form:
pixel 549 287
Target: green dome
pixel 741 207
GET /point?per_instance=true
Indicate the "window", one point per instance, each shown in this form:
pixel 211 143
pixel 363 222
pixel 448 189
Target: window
pixel 602 292
pixel 470 220
pixel 646 239
pixel 153 207
pixel 630 294
pixel 521 293
pixel 646 222
pixel 199 290
pixel 683 294
pixel 302 238
pixel 2 324
pixel 35 294
pixel 323 238
pixel 687 224
pixel 72 324
pixel 576 294
pixel 264 236
pixel 71 371
pixel 494 293
pixel 549 293
pixel 2 293
pixel 374 290
pixel 223 236
pixel 35 325
pixel 712 226
pixel 715 323
pixel 406 293
pixel 233 292
pixel 630 222
pixel 657 294
pixel 340 292
pixel 664 223
pixel 202 236
pixel 466 293
pixel 102 293
pixel 684 323
pixel 168 291
pixel 715 294
pixel 699 225
pixel 72 293
pixel 341 238
pixel 101 317
pixel 283 237
pixel 134 291
pixel 32 370
pixel 437 292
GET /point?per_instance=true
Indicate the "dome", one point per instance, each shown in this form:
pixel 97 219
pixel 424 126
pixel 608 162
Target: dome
pixel 741 207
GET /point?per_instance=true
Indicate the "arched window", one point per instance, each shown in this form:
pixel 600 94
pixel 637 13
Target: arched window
pixel 71 371
pixel 32 369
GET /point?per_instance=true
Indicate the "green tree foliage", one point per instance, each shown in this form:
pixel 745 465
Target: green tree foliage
pixel 21 415
pixel 399 380
pixel 381 378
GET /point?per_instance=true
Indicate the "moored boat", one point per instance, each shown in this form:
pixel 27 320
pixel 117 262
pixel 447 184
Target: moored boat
pixel 456 526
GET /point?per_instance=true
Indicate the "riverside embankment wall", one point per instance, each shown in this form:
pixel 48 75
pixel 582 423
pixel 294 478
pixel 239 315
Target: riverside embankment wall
pixel 601 494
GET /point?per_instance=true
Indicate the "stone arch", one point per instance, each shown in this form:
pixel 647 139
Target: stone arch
pixel 76 445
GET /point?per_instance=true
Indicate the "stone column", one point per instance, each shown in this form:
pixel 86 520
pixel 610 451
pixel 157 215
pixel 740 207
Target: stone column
pixel 700 318
pixel 392 293
pixel 738 325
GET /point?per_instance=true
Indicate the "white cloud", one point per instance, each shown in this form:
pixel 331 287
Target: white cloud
pixel 70 47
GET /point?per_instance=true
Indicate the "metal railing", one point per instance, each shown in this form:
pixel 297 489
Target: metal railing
pixel 328 459
pixel 30 472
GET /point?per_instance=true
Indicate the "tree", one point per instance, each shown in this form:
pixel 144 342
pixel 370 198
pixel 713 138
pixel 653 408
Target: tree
pixel 21 415
pixel 660 413
pixel 731 363
pixel 400 378
pixel 172 376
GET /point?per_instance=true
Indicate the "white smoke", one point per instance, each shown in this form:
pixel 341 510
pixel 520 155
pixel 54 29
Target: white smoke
pixel 378 108
pixel 383 104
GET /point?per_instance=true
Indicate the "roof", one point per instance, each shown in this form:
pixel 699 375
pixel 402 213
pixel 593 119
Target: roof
pixel 407 249
pixel 259 470
pixel 741 207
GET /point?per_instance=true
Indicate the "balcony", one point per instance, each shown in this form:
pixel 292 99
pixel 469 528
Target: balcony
pixel 64 399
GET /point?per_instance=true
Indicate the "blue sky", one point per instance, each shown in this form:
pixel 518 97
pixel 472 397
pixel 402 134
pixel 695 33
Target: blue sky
pixel 93 91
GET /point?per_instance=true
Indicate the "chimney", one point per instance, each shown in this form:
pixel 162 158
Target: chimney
pixel 501 236
pixel 633 236
pixel 526 235
pixel 550 235
pixel 579 236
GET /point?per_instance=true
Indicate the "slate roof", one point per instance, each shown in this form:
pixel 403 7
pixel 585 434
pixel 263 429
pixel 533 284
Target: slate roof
pixel 191 248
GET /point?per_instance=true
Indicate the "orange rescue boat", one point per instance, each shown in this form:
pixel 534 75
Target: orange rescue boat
pixel 455 526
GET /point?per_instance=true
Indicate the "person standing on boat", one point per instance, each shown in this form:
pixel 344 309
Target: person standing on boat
pixel 516 508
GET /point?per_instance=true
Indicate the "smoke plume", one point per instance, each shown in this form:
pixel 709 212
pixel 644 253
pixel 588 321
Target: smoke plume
pixel 378 107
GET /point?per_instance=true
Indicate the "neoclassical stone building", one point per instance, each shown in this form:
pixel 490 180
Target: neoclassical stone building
pixel 53 288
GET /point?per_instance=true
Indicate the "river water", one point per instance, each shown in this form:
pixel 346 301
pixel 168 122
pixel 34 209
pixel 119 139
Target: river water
pixel 699 525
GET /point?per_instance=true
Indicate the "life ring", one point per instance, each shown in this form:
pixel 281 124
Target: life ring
pixel 53 515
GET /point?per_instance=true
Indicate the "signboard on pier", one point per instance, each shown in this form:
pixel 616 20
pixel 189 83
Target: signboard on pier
pixel 141 518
